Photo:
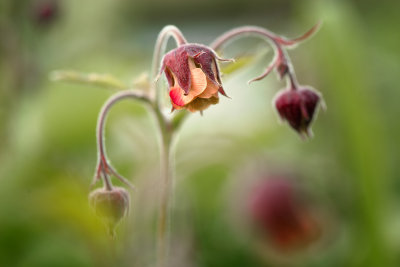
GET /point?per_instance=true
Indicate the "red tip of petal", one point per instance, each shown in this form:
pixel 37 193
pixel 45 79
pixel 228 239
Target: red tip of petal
pixel 176 96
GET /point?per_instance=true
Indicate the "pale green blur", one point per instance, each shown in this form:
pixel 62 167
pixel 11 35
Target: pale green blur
pixel 47 133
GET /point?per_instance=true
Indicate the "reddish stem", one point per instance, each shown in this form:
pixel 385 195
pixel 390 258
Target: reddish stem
pixel 278 42
pixel 104 168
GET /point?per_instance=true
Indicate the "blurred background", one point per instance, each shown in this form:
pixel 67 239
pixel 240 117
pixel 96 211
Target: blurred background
pixel 248 191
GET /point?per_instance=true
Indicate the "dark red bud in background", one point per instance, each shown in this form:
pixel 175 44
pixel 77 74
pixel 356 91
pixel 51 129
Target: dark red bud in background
pixel 110 205
pixel 45 11
pixel 298 108
pixel 276 208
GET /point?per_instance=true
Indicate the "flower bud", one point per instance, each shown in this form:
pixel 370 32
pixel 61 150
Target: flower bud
pixel 110 205
pixel 298 108
pixel 193 77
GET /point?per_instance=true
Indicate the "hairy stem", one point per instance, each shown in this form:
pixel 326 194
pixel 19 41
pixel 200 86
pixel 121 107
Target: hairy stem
pixel 278 43
pixel 107 181
pixel 166 128
pixel 165 204
pixel 103 166
pixel 161 43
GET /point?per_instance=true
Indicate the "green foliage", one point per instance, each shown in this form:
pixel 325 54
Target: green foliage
pixel 48 150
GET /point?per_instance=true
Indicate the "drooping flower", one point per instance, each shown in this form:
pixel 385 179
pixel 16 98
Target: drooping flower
pixel 298 107
pixel 193 77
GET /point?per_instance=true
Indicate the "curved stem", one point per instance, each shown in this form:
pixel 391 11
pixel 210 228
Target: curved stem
pixel 291 74
pixel 104 168
pixel 281 59
pixel 159 50
pixel 246 30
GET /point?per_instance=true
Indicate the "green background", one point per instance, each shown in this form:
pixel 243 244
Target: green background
pixel 47 134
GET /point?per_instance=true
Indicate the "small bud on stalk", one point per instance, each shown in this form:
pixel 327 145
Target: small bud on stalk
pixel 298 107
pixel 110 205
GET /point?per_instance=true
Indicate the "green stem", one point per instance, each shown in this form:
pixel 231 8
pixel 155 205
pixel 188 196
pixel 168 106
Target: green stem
pixel 165 205
pixel 166 188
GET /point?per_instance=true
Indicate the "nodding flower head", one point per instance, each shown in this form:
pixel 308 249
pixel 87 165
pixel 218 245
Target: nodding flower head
pixel 298 108
pixel 193 77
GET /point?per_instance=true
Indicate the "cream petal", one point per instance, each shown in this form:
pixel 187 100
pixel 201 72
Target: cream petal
pixel 210 91
pixel 199 82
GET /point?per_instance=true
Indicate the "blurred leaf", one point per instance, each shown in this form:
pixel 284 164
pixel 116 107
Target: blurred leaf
pixel 95 79
pixel 241 62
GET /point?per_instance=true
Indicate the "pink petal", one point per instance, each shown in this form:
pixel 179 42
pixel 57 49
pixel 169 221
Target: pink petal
pixel 176 95
pixel 176 106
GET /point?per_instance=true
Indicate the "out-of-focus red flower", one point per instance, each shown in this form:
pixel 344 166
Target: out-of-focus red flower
pixel 276 209
pixel 193 77
pixel 46 11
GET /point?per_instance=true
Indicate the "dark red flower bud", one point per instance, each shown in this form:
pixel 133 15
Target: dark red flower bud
pixel 110 205
pixel 277 209
pixel 298 108
pixel 193 77
pixel 46 11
